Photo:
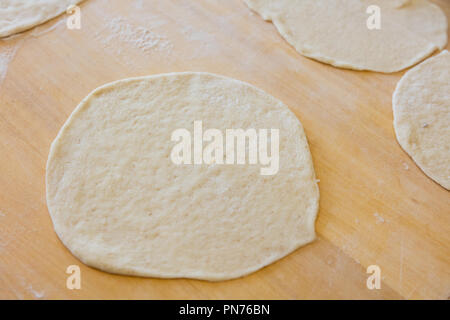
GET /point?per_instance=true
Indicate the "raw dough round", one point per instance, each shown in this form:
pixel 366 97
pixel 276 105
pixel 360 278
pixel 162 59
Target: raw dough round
pixel 336 32
pixel 421 105
pixel 120 204
pixel 20 15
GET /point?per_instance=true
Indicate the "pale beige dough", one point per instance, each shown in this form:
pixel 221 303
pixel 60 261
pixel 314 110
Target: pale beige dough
pixel 20 15
pixel 421 105
pixel 335 31
pixel 119 203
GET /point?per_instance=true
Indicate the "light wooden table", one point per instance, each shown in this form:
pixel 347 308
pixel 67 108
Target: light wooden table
pixel 376 208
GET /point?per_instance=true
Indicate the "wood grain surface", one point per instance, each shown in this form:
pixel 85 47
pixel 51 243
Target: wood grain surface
pixel 376 207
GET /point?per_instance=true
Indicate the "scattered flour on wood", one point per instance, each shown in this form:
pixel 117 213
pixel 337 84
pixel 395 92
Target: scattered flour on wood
pixel 7 52
pixel 138 37
pixel 204 43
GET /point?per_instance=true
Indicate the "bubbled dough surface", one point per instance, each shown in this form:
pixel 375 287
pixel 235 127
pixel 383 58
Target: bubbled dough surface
pixel 120 204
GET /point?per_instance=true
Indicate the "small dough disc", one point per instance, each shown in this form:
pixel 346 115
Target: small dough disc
pixel 120 204
pixel 336 32
pixel 421 105
pixel 20 15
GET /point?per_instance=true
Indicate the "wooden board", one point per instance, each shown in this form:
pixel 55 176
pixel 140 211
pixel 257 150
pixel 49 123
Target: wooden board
pixel 376 208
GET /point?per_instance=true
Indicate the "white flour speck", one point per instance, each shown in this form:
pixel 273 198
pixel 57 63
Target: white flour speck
pixel 36 294
pixel 379 219
pixel 7 53
pixel 405 165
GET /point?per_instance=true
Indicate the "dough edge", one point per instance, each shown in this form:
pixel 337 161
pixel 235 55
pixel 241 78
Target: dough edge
pixel 283 31
pixel 36 21
pixel 140 272
pixel 404 145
